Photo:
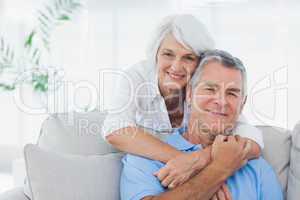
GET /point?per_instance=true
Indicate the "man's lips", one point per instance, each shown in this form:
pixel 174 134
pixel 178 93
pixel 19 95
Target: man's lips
pixel 217 113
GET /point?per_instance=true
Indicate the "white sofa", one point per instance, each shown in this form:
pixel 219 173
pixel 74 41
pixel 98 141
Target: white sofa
pixel 70 147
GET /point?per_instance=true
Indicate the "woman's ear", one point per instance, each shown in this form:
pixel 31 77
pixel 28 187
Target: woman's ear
pixel 188 96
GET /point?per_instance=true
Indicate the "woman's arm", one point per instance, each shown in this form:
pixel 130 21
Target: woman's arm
pixel 255 151
pixel 170 177
pixel 137 141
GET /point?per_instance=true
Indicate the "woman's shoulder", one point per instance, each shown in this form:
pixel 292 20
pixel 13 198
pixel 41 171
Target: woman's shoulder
pixel 143 70
pixel 140 77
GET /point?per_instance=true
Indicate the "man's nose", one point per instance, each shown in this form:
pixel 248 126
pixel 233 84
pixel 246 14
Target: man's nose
pixel 220 100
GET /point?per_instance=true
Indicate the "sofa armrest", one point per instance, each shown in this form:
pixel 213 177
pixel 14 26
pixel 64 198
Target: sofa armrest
pixel 14 194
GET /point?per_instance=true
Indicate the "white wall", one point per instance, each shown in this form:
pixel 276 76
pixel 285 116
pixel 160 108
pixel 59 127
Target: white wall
pixel 264 34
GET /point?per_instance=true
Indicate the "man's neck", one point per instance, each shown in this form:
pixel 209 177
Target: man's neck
pixel 194 138
pixel 196 135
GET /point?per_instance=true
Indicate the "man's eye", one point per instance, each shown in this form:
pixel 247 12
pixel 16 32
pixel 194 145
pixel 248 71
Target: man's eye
pixel 232 94
pixel 210 89
pixel 190 58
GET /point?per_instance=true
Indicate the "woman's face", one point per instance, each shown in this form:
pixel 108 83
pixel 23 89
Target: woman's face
pixel 176 64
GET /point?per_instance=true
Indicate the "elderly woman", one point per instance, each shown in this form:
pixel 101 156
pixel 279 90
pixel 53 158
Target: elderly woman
pixel 150 98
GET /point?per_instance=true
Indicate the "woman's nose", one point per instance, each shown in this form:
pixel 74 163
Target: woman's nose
pixel 176 65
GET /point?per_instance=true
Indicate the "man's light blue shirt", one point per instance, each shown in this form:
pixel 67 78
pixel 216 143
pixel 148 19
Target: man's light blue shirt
pixel 255 181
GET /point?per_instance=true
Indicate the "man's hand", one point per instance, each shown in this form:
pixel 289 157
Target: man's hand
pixel 222 194
pixel 229 152
pixel 178 170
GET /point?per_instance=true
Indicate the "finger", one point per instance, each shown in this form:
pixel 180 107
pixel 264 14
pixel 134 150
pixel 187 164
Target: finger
pixel 247 148
pixel 214 197
pixel 220 138
pixel 162 173
pixel 221 195
pixel 226 192
pixel 242 141
pixel 167 181
pixel 177 182
pixel 237 137
pixel 173 184
pixel 231 138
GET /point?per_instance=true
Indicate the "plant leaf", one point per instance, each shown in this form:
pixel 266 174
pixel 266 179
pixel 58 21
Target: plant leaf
pixel 50 11
pixel 2 44
pixel 64 17
pixel 43 15
pixel 28 42
pixel 43 23
pixel 7 87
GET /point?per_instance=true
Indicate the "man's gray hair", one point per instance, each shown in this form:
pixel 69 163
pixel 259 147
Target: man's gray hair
pixel 226 59
pixel 186 29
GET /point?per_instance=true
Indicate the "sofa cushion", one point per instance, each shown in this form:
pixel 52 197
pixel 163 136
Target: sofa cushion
pixel 56 176
pixel 294 174
pixel 75 133
pixel 277 151
pixel 14 194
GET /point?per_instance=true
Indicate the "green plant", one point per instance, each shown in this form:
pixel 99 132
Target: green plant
pixel 6 61
pixel 37 43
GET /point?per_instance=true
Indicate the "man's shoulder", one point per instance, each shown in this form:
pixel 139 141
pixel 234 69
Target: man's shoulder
pixel 259 165
pixel 255 171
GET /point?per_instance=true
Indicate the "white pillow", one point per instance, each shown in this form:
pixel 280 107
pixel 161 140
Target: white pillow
pixel 275 139
pixel 73 133
pixel 54 176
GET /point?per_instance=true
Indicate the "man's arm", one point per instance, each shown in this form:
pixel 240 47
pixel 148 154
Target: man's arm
pixel 227 157
pixel 202 186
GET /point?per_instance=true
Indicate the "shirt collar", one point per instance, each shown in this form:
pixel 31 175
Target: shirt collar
pixel 179 142
pixel 155 81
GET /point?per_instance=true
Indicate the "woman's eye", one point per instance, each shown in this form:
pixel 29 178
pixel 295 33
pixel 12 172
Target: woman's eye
pixel 190 59
pixel 168 54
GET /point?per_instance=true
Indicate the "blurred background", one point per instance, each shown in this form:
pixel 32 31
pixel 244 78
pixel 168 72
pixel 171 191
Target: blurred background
pixel 109 35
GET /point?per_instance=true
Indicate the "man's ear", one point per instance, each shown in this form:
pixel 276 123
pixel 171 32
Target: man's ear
pixel 243 103
pixel 188 96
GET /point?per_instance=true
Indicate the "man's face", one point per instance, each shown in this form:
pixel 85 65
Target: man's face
pixel 217 100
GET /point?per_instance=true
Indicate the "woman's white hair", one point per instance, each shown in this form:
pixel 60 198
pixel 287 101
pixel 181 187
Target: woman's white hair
pixel 186 29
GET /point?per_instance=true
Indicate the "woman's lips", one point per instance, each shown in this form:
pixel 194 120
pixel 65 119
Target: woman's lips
pixel 175 76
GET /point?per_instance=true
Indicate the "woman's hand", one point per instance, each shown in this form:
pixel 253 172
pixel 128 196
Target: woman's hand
pixel 179 169
pixel 222 194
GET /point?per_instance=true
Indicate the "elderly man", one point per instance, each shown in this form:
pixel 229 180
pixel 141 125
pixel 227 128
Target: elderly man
pixel 217 96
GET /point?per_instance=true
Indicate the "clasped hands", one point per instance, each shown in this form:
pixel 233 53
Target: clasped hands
pixel 228 152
